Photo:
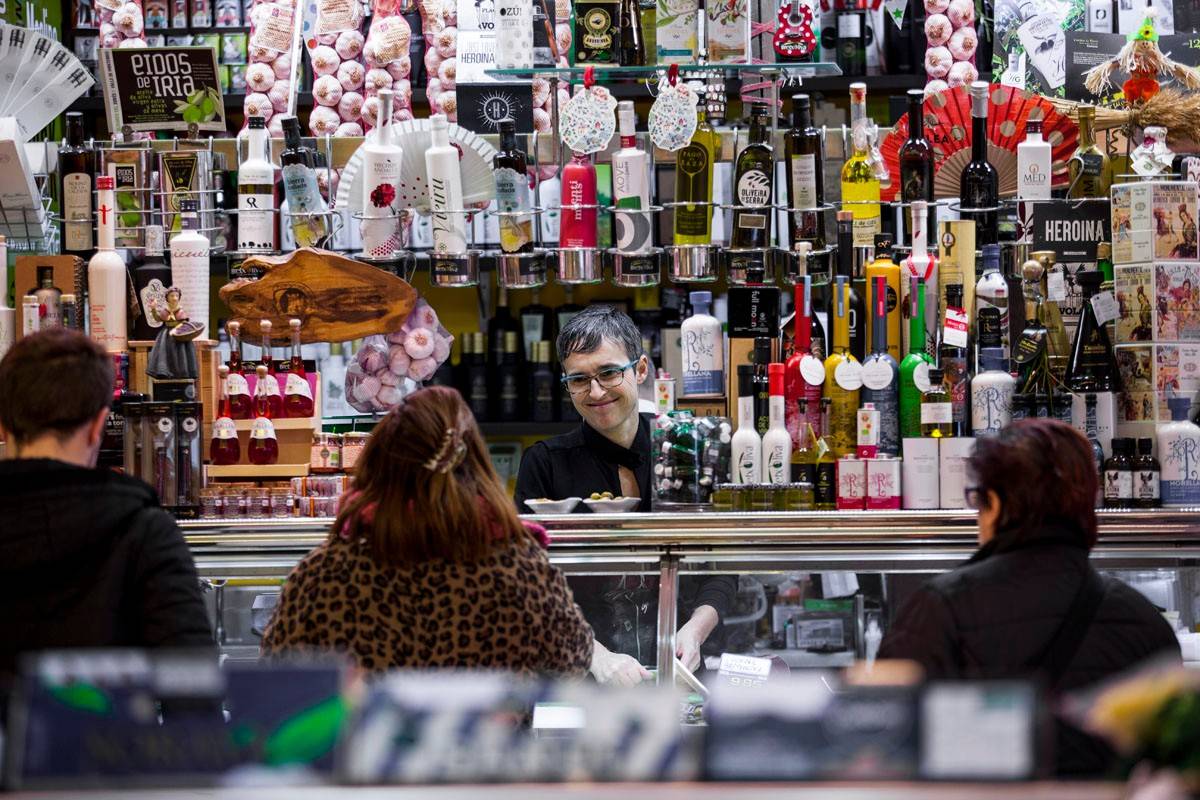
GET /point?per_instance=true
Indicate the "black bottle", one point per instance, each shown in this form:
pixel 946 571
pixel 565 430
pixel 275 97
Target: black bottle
pixel 1147 475
pixel 633 46
pixel 537 325
pixel 762 386
pixel 980 183
pixel 508 381
pixel 151 279
pixel 916 165
pixel 805 177
pixel 475 375
pixel 77 166
pixel 753 184
pixel 542 406
pixel 1118 476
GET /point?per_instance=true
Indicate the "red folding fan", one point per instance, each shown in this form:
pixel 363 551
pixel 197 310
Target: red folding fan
pixel 948 129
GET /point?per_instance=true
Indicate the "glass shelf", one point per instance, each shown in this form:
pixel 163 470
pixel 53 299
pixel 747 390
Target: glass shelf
pixel 808 70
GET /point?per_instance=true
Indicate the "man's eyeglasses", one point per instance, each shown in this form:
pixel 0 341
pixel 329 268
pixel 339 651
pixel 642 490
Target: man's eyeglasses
pixel 608 378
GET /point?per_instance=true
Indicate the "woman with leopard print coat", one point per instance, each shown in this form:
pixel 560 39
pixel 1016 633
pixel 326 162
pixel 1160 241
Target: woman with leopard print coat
pixel 428 565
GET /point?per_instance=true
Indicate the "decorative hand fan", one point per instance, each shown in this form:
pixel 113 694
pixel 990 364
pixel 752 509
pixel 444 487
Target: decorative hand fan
pixel 948 129
pixel 413 135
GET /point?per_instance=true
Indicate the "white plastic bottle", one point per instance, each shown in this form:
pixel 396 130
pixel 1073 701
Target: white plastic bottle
pixel 747 444
pixel 514 34
pixel 256 191
pixel 190 252
pixel 107 277
pixel 1033 164
pixel 445 191
pixel 703 346
pixel 777 442
pixel 1179 454
pixel 381 177
pixel 631 186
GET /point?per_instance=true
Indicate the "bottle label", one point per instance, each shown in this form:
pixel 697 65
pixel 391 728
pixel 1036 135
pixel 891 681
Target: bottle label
pixel 236 385
pixel 1146 484
pixel 955 331
pixel 1118 484
pixel 864 229
pixel 297 386
pixel 531 325
pixel 747 466
pixel 300 188
pixel 514 39
pixel 991 406
pixel 1105 306
pixel 877 374
pixel 754 191
pixel 1180 457
pixel 224 428
pixel 703 372
pixel 812 370
pixel 849 25
pixel 921 377
pixel 512 194
pixel 379 227
pixel 256 222
pixel 936 414
pixel 778 466
pixel 77 212
pixel 849 375
pixel 270 386
pixel 804 181
pixel 153 295
pixel 262 428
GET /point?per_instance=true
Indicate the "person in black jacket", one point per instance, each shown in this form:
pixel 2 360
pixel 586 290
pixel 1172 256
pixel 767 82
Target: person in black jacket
pixel 1028 603
pixel 603 364
pixel 88 558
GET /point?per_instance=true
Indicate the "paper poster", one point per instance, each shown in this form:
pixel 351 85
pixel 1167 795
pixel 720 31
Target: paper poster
pixel 1031 43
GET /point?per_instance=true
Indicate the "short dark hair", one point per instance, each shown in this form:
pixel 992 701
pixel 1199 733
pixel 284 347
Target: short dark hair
pixel 53 382
pixel 1044 473
pixel 587 330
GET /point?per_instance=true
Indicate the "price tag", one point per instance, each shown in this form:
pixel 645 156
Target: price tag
pixel 812 370
pixel 877 375
pixel 849 375
pixel 1106 308
pixel 921 377
pixel 746 671
pixel 955 332
pixel 1056 286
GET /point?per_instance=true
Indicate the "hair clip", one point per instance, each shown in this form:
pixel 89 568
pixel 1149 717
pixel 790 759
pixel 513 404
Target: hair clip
pixel 449 455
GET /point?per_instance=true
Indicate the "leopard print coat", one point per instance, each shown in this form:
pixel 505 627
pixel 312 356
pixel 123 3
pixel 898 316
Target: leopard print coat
pixel 513 611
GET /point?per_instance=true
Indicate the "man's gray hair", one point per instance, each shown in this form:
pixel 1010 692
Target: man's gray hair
pixel 587 330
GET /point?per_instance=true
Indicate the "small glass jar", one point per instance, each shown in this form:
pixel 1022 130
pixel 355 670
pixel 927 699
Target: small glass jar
pixel 326 453
pixel 258 503
pixel 762 497
pixel 234 503
pixel 281 502
pixel 352 447
pixel 722 497
pixel 212 504
pixel 800 496
pixel 742 497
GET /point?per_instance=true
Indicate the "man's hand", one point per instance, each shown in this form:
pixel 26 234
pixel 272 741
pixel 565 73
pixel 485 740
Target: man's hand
pixel 693 634
pixel 616 669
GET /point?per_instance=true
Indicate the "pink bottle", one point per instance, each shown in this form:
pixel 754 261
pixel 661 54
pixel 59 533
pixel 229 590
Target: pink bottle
pixel 577 226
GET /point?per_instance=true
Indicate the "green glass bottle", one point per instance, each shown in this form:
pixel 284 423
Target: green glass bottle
pixel 693 223
pixel 914 369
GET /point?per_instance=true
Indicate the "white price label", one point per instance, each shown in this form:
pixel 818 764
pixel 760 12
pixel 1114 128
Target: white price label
pixel 877 374
pixel 1106 308
pixel 849 375
pixel 921 377
pixel 955 331
pixel 1056 286
pixel 812 370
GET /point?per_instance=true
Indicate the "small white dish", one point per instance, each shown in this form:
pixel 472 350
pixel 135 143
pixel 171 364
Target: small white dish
pixel 564 506
pixel 615 505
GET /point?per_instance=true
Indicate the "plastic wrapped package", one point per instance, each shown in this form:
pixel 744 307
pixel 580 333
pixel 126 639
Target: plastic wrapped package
pixel 439 19
pixel 269 69
pixel 124 26
pixel 691 456
pixel 950 44
pixel 385 57
pixel 335 51
pixel 386 369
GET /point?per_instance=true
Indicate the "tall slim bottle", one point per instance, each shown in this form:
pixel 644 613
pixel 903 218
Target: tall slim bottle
pixel 991 291
pixel 380 225
pixel 860 185
pixel 445 191
pixel 777 442
pixel 746 444
pixel 107 276
pixel 855 307
pixel 980 183
pixel 880 374
pixel 1088 166
pixel 297 394
pixel 633 44
pixel 916 162
pixel 1058 351
pixel 805 176
pixel 914 369
pixel 190 263
pixel 805 372
pixel 1033 164
pixel 224 448
pixel 694 184
pixel 307 209
pixel 512 192
pixel 1092 369
pixel 241 404
pixel 268 389
pixel 992 387
pixel 77 166
pixel 631 186
pixel 843 376
pixel 577 225
pixel 884 267
pixel 753 187
pixel 953 360
pixel 256 192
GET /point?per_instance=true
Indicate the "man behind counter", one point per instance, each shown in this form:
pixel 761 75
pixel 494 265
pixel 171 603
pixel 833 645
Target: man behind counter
pixel 603 365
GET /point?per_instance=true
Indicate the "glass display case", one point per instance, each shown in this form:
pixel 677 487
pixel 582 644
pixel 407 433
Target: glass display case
pixel 813 588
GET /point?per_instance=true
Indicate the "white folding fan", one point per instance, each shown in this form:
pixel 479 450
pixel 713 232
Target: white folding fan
pixel 413 192
pixel 41 78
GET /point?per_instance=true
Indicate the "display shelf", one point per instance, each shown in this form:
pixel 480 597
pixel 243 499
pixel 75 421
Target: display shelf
pixel 255 472
pixel 602 73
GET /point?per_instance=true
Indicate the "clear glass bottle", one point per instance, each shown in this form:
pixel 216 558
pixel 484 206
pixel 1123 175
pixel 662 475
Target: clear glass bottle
pixel 264 446
pixel 224 448
pixel 271 387
pixel 860 185
pixel 953 360
pixel 937 413
pixel 297 394
pixel 306 208
pixel 881 379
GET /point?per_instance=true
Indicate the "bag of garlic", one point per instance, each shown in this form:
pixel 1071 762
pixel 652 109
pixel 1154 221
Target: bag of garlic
pixel 269 73
pixel 386 369
pixel 389 65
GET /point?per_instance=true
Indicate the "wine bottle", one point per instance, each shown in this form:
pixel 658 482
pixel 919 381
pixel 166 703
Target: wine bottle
pixel 916 162
pixel 541 385
pixel 77 166
pixel 633 44
pixel 297 394
pixel 382 157
pixel 1033 164
pixel 1088 166
pixel 224 448
pixel 241 404
pixel 952 357
pixel 914 369
pixel 855 308
pixel 843 376
pixel 256 192
pixel 777 442
pixel 937 412
pixel 264 446
pixel 475 375
pixel 991 291
pixel 805 371
pixel 746 445
pixel 884 267
pixel 512 192
pixel 631 185
pixel 694 168
pixel 753 187
pixel 980 183
pixel 992 387
pixel 501 323
pixel 190 263
pixel 852 39
pixel 537 323
pixel 508 380
pixel 305 206
pixel 445 191
pixel 860 185
pixel 270 387
pixel 805 176
pixel 107 276
pixel 1092 369
pixel 881 375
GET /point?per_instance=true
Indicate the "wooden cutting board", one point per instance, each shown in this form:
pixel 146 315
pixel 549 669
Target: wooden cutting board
pixel 335 298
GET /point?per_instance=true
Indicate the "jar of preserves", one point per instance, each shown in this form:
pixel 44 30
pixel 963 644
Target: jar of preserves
pixel 352 447
pixel 326 454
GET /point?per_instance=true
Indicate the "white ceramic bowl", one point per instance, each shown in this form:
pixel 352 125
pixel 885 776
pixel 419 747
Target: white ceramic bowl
pixel 564 506
pixel 616 505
